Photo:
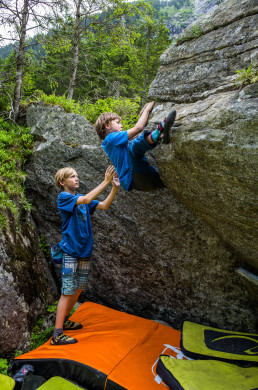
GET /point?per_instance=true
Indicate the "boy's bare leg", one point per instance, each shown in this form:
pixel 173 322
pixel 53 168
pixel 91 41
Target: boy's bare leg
pixel 61 311
pixel 72 302
pixel 149 140
pixel 58 337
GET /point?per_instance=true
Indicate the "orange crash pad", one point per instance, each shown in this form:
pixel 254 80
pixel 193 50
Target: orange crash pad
pixel 115 351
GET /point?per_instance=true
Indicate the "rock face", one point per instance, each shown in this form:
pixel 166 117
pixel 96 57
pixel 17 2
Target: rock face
pixel 211 164
pixel 26 284
pixel 203 6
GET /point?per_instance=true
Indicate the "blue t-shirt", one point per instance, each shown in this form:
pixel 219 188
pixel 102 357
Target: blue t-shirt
pixel 116 146
pixel 77 239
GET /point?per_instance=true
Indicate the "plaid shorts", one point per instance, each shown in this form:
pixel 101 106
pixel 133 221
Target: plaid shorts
pixel 74 274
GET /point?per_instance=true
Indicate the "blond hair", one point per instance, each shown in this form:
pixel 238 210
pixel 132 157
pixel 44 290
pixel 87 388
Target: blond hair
pixel 102 121
pixel 63 174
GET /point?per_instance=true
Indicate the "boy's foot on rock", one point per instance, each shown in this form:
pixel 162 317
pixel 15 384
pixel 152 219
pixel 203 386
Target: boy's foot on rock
pixel 62 339
pixel 70 325
pixel 165 126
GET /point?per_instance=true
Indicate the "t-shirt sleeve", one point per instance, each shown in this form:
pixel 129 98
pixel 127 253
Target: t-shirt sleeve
pixel 117 138
pixel 67 201
pixel 92 206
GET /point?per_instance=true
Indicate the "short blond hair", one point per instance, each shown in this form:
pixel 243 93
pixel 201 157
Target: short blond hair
pixel 103 121
pixel 63 174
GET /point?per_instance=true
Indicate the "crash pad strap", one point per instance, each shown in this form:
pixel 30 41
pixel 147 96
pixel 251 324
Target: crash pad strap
pixel 206 374
pixel 199 341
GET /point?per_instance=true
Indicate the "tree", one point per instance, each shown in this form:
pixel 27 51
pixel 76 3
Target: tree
pixel 23 17
pixel 88 20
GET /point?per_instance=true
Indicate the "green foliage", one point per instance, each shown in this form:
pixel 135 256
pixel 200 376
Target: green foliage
pixel 247 76
pixel 127 108
pixel 15 147
pixel 168 12
pixel 44 247
pixel 194 32
pixel 124 107
pixel 3 366
pixel 52 308
pixel 39 336
pixel 18 353
pixel 70 105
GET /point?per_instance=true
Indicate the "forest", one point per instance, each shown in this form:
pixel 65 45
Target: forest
pixel 83 50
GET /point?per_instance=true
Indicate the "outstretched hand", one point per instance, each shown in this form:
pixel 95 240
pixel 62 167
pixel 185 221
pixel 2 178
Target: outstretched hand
pixel 109 173
pixel 148 107
pixel 116 181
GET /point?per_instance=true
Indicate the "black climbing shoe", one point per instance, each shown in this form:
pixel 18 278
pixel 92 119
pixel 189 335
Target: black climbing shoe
pixel 70 325
pixel 62 339
pixel 165 126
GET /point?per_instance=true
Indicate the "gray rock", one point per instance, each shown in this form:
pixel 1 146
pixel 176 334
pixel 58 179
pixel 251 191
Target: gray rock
pixel 27 286
pixel 212 50
pixel 210 166
pixel 152 256
pixel 203 6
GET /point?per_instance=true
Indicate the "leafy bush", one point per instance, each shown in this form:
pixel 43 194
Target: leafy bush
pixel 40 335
pixel 247 76
pixel 127 108
pixel 3 366
pixel 15 147
pixel 44 247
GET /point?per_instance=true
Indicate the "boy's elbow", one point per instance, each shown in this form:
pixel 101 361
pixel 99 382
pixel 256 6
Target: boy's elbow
pixel 103 206
pixel 87 199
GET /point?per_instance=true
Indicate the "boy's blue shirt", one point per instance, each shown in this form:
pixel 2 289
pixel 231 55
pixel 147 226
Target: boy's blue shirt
pixel 116 147
pixel 77 239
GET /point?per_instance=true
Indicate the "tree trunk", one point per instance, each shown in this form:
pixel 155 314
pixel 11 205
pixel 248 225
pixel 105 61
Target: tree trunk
pixel 20 59
pixel 146 65
pixel 75 51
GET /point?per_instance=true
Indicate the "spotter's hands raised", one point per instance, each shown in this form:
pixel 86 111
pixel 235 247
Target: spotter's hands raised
pixel 116 181
pixel 109 173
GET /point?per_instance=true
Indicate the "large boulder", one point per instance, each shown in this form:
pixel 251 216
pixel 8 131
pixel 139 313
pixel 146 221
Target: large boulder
pixel 208 54
pixel 27 285
pixel 211 163
pixel 152 256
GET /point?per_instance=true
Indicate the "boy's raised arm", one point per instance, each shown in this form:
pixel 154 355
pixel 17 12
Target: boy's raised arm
pixel 94 193
pixel 143 118
pixel 109 199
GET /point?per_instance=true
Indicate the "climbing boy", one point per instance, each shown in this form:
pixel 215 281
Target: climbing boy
pixel 76 243
pixel 127 152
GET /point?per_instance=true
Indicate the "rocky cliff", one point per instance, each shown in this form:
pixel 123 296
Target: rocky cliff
pixel 27 285
pixel 213 146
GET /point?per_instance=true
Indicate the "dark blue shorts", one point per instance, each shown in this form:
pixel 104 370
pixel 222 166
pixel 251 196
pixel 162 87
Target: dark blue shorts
pixel 145 176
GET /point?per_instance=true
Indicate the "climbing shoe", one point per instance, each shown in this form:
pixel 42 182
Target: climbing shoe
pixel 165 126
pixel 62 339
pixel 70 325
